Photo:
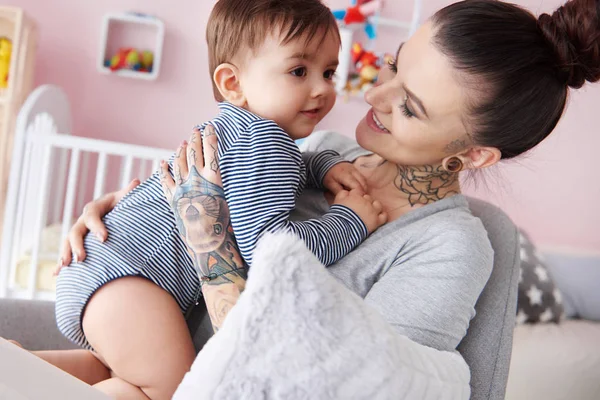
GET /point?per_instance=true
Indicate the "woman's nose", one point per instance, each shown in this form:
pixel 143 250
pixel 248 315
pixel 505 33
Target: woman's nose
pixel 379 96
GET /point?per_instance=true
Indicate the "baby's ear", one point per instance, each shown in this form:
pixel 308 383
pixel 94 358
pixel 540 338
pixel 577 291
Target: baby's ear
pixel 227 80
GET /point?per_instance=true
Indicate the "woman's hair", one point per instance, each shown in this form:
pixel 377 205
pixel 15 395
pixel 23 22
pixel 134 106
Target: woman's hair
pixel 519 66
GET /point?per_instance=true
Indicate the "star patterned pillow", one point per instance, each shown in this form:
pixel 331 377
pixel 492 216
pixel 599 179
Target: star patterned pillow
pixel 539 299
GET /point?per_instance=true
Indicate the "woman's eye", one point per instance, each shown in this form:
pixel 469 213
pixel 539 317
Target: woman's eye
pixel 407 111
pixel 299 72
pixel 329 74
pixel 392 65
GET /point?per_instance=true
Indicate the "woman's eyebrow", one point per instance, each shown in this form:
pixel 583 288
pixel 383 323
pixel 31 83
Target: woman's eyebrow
pixel 398 52
pixel 414 98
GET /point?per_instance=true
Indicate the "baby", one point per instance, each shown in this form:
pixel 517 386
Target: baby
pixel 272 64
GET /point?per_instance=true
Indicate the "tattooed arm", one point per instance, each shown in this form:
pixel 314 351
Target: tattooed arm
pixel 198 202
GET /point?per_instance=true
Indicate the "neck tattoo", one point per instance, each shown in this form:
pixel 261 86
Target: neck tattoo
pixel 426 184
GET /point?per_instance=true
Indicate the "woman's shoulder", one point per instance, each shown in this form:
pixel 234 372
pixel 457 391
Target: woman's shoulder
pixel 459 226
pixel 450 231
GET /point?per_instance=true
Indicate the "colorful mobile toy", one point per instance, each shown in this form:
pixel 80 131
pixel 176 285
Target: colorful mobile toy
pixel 359 13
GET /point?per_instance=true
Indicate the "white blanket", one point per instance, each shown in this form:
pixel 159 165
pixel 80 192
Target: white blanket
pixel 297 333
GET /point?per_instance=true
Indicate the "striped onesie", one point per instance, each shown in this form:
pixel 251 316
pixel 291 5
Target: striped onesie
pixel 263 173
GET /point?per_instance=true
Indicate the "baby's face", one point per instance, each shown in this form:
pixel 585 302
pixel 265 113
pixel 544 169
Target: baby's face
pixel 292 84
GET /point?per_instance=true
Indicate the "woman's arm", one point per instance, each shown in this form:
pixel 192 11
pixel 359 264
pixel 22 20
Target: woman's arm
pixel 198 202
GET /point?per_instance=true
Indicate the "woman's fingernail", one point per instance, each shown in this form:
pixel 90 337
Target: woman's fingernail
pixel 100 237
pixel 61 262
pixel 75 258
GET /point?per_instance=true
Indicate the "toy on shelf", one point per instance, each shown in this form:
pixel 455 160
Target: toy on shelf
pixel 131 45
pixel 366 66
pixel 5 53
pixel 359 13
pixel 132 59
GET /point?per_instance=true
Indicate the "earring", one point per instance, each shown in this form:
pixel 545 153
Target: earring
pixel 454 165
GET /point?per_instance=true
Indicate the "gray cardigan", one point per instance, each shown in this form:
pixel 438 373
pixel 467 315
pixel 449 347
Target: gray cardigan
pixel 486 348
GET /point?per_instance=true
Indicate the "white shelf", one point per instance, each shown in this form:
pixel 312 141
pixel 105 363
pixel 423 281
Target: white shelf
pixel 126 73
pixel 150 32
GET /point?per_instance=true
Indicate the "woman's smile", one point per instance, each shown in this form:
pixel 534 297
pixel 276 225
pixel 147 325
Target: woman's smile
pixel 374 123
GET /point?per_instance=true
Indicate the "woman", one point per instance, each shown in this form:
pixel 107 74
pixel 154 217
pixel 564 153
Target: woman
pixel 480 82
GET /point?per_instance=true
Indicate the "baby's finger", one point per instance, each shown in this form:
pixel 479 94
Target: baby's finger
pixel 350 182
pixel 334 187
pixel 377 206
pixel 368 198
pixel 382 218
pixel 342 194
pixel 166 181
pixel 210 145
pixel 195 156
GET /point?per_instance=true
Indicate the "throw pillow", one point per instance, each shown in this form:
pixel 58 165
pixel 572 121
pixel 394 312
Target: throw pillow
pixel 539 299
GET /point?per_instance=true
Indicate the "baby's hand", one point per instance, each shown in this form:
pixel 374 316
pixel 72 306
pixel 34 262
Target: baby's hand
pixel 369 211
pixel 344 176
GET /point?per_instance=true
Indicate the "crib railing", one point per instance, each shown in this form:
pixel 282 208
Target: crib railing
pixel 52 186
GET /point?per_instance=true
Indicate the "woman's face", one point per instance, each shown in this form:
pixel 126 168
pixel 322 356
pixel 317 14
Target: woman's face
pixel 418 107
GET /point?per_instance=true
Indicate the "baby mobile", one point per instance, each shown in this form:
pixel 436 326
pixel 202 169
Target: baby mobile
pixel 365 63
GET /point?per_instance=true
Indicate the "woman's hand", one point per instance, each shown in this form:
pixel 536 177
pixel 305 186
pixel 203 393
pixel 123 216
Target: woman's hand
pixel 90 221
pixel 202 215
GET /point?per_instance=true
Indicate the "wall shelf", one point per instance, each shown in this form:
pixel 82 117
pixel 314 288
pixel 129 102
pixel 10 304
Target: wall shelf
pixel 131 30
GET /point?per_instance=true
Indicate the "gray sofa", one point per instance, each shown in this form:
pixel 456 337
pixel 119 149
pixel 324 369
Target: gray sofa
pixel 486 348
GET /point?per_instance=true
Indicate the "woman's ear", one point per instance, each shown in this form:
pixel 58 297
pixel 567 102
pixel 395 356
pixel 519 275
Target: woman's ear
pixel 480 157
pixel 227 80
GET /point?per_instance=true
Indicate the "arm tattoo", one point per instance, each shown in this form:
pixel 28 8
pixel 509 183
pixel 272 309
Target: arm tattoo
pixel 425 184
pixel 203 221
pixel 214 164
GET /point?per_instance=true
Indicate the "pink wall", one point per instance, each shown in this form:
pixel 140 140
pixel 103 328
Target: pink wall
pixel 552 193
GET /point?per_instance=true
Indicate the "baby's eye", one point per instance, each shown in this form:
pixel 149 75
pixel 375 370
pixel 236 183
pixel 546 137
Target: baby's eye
pixel 299 72
pixel 329 74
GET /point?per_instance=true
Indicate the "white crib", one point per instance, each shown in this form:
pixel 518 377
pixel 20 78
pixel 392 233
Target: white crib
pixel 49 183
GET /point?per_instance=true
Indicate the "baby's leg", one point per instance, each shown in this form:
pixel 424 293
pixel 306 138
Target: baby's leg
pixel 139 331
pixel 82 364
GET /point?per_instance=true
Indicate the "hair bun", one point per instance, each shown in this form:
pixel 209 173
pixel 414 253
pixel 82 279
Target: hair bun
pixel 574 32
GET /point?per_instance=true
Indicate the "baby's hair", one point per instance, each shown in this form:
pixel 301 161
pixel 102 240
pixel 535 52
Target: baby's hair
pixel 242 24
